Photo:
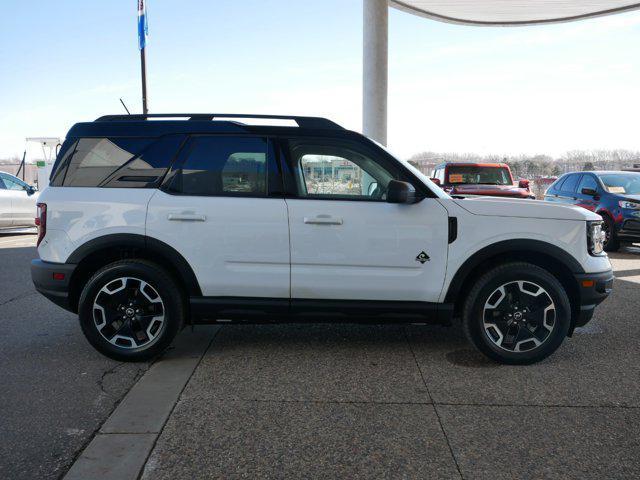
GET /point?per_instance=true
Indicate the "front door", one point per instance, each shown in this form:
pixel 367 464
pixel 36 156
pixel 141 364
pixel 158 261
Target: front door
pixel 216 209
pixel 590 202
pixel 347 242
pixel 23 203
pixel 6 207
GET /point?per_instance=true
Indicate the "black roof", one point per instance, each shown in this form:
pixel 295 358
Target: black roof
pixel 168 123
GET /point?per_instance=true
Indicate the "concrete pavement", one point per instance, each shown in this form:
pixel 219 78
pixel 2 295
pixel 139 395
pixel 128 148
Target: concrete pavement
pixel 55 391
pixel 314 401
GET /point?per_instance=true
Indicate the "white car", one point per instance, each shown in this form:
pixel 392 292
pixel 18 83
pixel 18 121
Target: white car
pixel 148 225
pixel 17 202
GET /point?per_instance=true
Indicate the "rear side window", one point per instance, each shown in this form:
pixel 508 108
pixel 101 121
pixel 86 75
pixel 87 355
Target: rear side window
pixel 227 166
pixel 116 162
pixel 570 183
pixel 558 185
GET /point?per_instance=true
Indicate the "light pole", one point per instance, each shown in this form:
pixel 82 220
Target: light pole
pixel 375 69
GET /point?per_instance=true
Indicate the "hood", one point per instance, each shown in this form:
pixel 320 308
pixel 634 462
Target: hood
pixel 502 190
pixel 505 207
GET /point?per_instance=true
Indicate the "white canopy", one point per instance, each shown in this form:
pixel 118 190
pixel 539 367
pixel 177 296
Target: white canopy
pixel 512 12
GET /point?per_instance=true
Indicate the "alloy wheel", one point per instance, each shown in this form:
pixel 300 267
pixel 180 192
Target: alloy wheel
pixel 519 316
pixel 129 313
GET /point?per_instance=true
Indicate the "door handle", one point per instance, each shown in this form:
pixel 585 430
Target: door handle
pixel 186 217
pixel 323 220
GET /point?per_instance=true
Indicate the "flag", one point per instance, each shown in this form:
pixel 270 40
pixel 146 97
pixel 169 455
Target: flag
pixel 143 28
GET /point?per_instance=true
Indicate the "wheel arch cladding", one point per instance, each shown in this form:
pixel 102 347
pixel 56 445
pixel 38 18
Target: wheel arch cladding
pixel 545 255
pixel 101 251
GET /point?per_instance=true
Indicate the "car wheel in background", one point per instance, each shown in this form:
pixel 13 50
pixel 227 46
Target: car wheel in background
pixel 517 313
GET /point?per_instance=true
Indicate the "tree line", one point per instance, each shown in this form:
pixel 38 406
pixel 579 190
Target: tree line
pixel 536 166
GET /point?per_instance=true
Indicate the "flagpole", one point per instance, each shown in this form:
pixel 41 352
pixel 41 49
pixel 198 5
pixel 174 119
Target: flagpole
pixel 143 67
pixel 142 44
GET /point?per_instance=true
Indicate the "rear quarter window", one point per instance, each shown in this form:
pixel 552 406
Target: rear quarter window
pixel 116 162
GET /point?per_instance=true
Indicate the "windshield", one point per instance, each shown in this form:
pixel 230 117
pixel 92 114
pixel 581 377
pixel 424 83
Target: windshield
pixel 476 175
pixel 622 183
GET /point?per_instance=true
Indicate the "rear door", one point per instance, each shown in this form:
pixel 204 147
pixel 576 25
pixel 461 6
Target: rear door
pixel 347 242
pixel 221 207
pixel 568 190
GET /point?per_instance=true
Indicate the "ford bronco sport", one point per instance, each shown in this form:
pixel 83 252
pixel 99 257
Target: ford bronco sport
pixel 152 222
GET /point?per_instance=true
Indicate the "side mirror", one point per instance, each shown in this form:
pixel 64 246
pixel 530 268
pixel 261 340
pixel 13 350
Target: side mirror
pixel 589 191
pixel 435 180
pixel 523 184
pixel 400 192
pixel 30 190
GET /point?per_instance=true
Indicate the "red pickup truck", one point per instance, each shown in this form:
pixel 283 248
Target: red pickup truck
pixel 493 179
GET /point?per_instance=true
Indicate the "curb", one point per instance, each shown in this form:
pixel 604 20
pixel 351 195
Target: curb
pixel 120 449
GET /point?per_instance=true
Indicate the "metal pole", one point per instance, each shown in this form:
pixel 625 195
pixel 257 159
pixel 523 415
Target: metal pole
pixel 375 69
pixel 143 67
pixel 22 165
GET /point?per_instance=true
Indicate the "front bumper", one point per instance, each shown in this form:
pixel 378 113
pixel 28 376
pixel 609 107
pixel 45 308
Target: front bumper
pixel 630 229
pixel 52 280
pixel 593 289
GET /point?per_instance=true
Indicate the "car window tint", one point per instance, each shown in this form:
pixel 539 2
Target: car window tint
pixel 95 159
pixel 570 183
pixel 587 182
pixel 223 166
pixel 147 169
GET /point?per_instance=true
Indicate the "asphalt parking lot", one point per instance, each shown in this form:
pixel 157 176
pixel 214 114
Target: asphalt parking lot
pixel 317 401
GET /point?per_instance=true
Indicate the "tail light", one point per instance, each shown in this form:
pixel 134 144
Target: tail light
pixel 41 221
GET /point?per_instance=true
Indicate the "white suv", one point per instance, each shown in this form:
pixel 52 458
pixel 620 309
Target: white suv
pixel 151 223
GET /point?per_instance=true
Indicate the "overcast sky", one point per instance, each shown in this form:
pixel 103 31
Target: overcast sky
pixel 529 90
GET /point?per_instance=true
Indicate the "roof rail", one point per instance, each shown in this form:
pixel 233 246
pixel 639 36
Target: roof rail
pixel 303 122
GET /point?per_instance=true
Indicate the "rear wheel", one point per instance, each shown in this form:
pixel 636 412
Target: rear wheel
pixel 131 310
pixel 611 241
pixel 517 313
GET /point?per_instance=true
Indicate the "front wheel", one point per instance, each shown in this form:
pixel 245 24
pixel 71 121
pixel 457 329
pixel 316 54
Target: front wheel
pixel 517 313
pixel 131 310
pixel 611 240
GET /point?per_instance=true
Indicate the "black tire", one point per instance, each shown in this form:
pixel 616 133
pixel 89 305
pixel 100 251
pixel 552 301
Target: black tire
pixel 171 305
pixel 484 290
pixel 613 242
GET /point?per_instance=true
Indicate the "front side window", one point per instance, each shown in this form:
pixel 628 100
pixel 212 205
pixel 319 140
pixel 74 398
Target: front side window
pixel 12 183
pixel 474 175
pixel 588 182
pixel 228 166
pixel 335 172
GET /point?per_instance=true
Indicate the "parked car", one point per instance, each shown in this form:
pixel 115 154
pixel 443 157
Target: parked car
pixel 17 202
pixel 492 179
pixel 148 225
pixel 615 196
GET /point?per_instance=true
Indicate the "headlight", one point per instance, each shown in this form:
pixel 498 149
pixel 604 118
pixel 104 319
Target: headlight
pixel 627 204
pixel 595 237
